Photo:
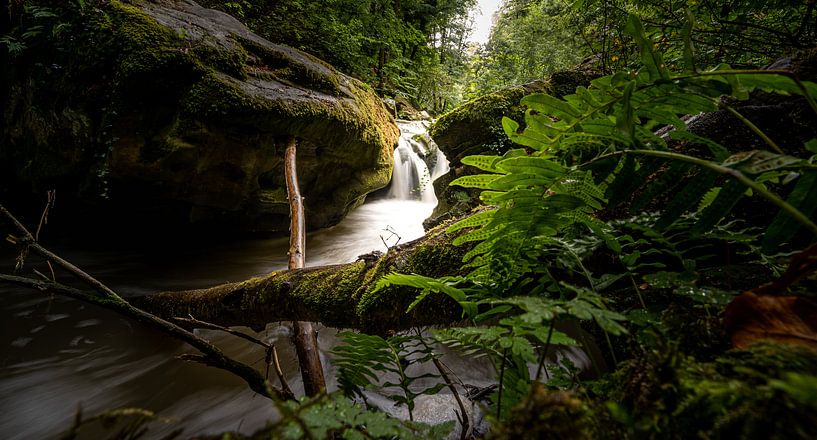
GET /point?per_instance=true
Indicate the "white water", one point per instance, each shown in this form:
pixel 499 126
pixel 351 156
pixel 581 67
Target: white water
pixel 412 180
pixel 58 353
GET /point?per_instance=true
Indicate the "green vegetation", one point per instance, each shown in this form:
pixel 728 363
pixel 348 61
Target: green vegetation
pixel 414 49
pixel 543 256
pixel 683 265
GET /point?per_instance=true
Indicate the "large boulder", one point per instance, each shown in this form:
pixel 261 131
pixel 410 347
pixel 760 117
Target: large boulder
pixel 179 114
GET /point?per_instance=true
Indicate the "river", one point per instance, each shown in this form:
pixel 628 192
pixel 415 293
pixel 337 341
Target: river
pixel 59 354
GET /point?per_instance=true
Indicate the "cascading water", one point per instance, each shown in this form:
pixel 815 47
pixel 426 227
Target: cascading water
pixel 417 163
pixel 60 353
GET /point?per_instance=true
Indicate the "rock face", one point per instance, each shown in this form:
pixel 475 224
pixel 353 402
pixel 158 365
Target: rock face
pixel 476 128
pixel 179 113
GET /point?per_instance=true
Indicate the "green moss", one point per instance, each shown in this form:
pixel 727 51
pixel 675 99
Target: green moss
pixel 741 395
pixel 148 46
pixel 277 195
pixel 231 61
pixel 324 295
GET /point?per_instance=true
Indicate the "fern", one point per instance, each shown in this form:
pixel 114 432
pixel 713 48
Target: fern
pixel 364 357
pixel 333 416
pixel 529 266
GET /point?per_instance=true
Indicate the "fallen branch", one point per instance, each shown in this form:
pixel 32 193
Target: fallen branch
pixel 107 298
pixel 270 357
pixel 336 295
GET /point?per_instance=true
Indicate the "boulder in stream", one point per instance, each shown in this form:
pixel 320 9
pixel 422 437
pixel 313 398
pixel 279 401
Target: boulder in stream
pixel 172 113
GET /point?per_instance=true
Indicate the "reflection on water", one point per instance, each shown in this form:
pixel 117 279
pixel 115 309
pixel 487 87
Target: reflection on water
pixel 59 353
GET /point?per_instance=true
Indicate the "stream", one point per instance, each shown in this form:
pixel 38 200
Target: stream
pixel 59 354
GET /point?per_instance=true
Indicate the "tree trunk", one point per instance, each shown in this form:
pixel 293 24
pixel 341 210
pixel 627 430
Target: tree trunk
pixel 337 295
pixel 305 337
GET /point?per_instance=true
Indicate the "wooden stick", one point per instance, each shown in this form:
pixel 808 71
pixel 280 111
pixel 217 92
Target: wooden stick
pixel 304 336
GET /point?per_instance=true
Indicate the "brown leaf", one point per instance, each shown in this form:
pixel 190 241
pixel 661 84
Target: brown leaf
pixel 787 319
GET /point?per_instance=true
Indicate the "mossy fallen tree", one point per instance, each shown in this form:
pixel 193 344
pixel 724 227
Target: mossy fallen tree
pixel 336 295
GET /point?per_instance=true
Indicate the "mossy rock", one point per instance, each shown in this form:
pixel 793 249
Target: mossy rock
pixel 179 114
pixel 476 128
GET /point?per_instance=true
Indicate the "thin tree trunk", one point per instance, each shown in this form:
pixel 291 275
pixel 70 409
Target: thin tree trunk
pixel 305 337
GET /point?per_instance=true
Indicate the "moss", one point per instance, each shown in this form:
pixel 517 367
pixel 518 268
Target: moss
pixel 148 46
pixel 231 62
pixel 284 68
pixel 324 295
pixel 738 395
pixel 277 195
pixel 547 414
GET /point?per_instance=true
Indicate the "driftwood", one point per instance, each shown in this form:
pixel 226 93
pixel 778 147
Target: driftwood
pixel 103 296
pixel 305 337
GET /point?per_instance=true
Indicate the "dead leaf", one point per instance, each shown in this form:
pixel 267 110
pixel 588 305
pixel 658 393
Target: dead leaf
pixel 787 319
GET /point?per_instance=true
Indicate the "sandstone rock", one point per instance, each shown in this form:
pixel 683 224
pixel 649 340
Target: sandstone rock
pixel 178 114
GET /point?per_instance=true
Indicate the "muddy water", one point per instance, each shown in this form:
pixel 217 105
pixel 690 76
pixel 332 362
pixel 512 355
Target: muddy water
pixel 59 354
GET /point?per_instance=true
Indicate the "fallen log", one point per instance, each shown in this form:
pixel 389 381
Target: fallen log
pixel 336 295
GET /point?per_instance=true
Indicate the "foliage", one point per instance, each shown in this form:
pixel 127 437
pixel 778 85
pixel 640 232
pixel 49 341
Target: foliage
pixel 745 32
pixel 747 394
pixel 383 42
pixel 598 148
pixel 363 358
pixel 334 416
pixel 529 40
pixel 34 23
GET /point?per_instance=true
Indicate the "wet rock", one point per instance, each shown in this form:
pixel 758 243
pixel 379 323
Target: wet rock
pixel 171 113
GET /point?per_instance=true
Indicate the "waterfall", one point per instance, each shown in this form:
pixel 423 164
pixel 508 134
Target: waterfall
pixel 417 162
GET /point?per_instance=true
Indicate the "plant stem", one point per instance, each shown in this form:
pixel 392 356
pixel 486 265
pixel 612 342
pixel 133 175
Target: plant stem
pixel 638 292
pixel 768 195
pixel 501 380
pixel 753 127
pixel 545 352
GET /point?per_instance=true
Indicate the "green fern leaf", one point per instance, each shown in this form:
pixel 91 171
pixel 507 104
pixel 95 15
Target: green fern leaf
pixel 687 198
pixel 483 162
pixel 550 105
pixel 759 161
pixel 532 165
pixel 649 57
pixel 727 198
pixel 478 219
pixel 476 181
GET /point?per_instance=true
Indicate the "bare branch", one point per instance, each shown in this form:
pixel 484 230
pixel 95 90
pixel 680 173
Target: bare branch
pixel 107 298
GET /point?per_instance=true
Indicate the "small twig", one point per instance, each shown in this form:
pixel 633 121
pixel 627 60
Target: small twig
pixel 545 352
pixel 41 275
pixel 279 372
pixel 271 354
pixel 501 380
pixel 393 233
pixel 755 129
pixel 52 195
pixel 464 420
pixel 51 268
pixel 202 324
